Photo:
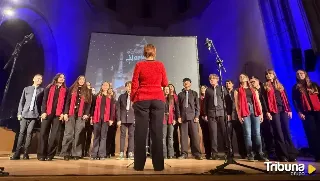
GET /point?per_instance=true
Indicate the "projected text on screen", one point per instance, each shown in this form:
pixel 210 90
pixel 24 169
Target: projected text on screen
pixel 112 58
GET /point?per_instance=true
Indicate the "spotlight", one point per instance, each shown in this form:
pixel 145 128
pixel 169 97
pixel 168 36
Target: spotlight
pixel 8 12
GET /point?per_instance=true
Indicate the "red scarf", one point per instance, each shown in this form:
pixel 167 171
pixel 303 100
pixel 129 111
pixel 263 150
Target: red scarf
pixel 314 101
pixel 272 102
pixel 243 104
pixel 73 104
pixel 96 116
pixel 60 104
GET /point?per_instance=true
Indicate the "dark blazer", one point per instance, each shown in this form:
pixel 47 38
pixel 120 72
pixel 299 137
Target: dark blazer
pixel 25 102
pixel 209 109
pixel 122 114
pixel 193 110
pixel 231 106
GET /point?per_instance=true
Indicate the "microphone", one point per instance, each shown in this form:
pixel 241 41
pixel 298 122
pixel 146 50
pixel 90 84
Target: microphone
pixel 208 43
pixel 28 38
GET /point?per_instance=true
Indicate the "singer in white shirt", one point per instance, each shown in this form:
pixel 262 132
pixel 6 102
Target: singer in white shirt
pixel 28 114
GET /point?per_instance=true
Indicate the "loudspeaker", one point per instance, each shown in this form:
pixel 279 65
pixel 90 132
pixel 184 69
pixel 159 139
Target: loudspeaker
pixel 312 9
pixel 297 58
pixel 310 60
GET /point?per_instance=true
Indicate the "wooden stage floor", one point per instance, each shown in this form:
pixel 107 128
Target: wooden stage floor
pixel 113 167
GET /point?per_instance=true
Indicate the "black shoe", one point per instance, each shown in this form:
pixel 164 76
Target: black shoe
pixel 158 170
pixel 66 158
pixel 263 158
pixel 170 157
pixel 76 158
pixel 208 157
pixel 113 155
pixel 14 158
pixel 183 157
pixel 49 159
pixel 165 157
pixel 198 157
pixel 214 157
pixel 25 156
pixel 42 159
pixel 250 158
pixel 94 158
pixel 138 169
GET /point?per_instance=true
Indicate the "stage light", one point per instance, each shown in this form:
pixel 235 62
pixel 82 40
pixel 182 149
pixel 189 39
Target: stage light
pixel 8 12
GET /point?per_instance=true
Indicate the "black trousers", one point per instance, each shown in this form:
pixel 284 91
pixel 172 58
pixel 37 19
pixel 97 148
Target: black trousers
pixel 25 135
pixel 311 126
pixel 217 124
pixel 48 145
pixel 176 144
pixel 235 125
pixel 111 139
pixel 148 113
pixel 72 139
pixel 123 132
pixel 87 137
pixel 60 138
pixel 267 137
pixel 205 137
pixel 148 139
pixel 281 132
pixel 192 127
pixel 100 132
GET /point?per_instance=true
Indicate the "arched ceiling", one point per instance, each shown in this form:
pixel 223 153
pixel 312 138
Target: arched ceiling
pixel 153 13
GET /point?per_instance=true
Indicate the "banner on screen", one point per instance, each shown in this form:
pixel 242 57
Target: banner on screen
pixel 112 58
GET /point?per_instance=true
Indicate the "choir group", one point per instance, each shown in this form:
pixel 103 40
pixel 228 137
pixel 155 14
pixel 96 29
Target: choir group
pixel 258 113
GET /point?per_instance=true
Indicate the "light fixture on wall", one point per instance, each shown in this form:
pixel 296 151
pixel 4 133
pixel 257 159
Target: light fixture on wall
pixel 8 12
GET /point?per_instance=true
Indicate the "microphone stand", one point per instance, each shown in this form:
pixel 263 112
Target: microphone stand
pixel 13 59
pixel 229 157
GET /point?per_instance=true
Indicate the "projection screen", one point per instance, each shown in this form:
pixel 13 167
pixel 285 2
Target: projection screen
pixel 112 58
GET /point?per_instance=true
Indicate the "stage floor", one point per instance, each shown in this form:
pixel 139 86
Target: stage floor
pixel 86 167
